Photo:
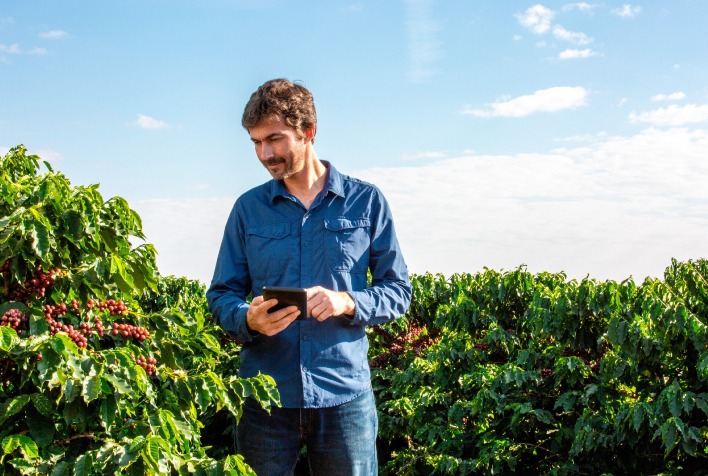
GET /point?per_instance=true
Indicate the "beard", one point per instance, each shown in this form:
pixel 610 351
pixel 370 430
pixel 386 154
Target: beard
pixel 289 164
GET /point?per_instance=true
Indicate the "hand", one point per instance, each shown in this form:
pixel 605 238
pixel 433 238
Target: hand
pixel 323 303
pixel 258 319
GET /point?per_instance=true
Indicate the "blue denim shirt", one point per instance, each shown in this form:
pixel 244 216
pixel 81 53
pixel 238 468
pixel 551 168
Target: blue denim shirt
pixel 272 239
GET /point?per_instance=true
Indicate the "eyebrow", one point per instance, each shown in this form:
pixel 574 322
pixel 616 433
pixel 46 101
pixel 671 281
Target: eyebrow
pixel 269 136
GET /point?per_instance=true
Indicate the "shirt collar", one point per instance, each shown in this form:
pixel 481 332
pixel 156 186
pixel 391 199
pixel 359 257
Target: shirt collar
pixel 333 184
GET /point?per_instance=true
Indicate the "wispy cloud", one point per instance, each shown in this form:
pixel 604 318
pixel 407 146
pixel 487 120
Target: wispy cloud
pixel 627 11
pixel 582 6
pixel 677 96
pixel 353 8
pixel 427 154
pixel 673 115
pixel 147 122
pixel 53 34
pixel 198 187
pixel 577 38
pixel 15 49
pixel 545 100
pixel 537 18
pixel 576 54
pixel 425 48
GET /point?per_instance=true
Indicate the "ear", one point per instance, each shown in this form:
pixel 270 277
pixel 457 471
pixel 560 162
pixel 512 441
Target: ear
pixel 310 133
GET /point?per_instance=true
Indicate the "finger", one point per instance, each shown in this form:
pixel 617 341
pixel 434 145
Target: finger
pixel 288 314
pixel 312 292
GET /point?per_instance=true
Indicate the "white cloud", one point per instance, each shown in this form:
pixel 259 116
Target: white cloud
pixel 537 18
pixel 545 100
pixel 186 233
pixel 583 137
pixel 425 48
pixel 618 207
pixel 576 54
pixel 198 186
pixel 147 122
pixel 673 115
pixel 677 96
pixel 353 8
pixel 615 207
pixel 627 11
pixel 53 34
pixel 582 6
pixel 428 154
pixel 576 38
pixel 15 49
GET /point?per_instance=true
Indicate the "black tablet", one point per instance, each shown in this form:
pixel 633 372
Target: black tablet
pixel 287 297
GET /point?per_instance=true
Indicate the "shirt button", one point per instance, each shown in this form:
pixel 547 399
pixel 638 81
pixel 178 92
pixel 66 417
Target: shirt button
pixel 307 243
pixel 304 369
pixel 304 337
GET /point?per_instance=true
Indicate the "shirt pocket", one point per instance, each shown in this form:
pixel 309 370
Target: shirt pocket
pixel 268 249
pixel 347 243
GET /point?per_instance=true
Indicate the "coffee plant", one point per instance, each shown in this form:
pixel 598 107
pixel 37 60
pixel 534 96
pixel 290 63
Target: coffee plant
pixel 106 367
pixel 514 373
pixel 101 373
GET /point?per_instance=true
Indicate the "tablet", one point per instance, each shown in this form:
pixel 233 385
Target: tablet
pixel 287 297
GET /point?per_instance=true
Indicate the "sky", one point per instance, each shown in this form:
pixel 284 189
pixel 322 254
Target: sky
pixel 559 136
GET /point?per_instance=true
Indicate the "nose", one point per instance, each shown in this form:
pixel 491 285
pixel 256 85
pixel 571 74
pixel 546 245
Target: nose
pixel 266 151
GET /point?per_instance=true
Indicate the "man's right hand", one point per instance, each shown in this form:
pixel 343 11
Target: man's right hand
pixel 258 319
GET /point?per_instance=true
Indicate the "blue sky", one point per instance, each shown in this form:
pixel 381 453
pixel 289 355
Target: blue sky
pixel 564 136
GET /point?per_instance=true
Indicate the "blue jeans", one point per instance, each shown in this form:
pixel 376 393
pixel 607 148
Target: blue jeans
pixel 340 440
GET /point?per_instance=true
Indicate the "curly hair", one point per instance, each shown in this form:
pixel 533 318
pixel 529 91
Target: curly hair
pixel 293 102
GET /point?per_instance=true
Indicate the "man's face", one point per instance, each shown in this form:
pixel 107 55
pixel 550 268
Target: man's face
pixel 279 147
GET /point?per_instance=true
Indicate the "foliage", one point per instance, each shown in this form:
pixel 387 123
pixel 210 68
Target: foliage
pixel 105 367
pixel 507 372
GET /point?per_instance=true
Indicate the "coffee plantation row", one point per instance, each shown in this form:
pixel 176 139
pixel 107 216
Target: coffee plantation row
pixel 106 367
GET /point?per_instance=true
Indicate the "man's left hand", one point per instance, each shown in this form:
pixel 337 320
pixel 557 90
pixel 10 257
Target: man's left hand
pixel 323 303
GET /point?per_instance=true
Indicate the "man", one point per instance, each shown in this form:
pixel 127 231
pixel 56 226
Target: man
pixel 315 228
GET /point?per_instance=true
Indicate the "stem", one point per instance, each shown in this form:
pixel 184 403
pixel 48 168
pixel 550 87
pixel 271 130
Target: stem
pixel 89 436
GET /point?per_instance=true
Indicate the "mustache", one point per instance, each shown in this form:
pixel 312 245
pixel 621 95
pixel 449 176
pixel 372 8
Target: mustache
pixel 274 161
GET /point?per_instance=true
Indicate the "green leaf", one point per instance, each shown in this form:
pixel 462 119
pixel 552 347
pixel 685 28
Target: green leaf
pixel 62 468
pixel 16 405
pixel 41 429
pixel 74 223
pixel 9 444
pixel 23 442
pixel 83 465
pixel 109 410
pixel 638 416
pixel 92 388
pixel 8 338
pixel 22 465
pixel 543 416
pixel 42 404
pixel 120 384
pixel 40 239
